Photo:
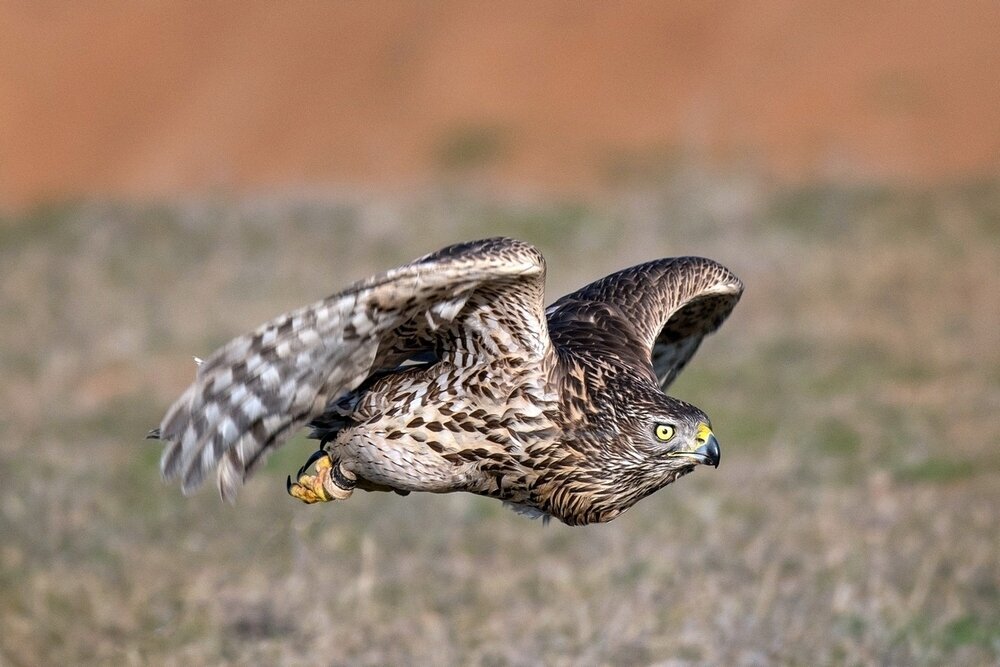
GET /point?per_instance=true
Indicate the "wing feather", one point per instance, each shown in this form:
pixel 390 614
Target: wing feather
pixel 258 389
pixel 669 305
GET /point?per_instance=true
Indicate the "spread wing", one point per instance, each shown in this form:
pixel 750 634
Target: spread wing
pixel 670 304
pixel 257 390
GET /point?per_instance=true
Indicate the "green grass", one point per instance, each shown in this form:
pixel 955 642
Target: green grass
pixel 836 437
pixel 939 470
pixel 970 630
pixel 854 392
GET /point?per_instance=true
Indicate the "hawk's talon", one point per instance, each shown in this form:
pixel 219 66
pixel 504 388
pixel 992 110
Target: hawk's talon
pixel 313 458
pixel 329 483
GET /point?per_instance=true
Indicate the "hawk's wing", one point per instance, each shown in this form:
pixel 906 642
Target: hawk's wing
pixel 258 389
pixel 671 304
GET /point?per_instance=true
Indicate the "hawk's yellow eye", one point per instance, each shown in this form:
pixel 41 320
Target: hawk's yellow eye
pixel 664 432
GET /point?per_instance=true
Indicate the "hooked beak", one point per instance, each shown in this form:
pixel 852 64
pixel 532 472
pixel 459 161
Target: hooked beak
pixel 707 447
pixel 710 452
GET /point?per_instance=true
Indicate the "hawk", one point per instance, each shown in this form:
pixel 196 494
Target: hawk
pixel 449 374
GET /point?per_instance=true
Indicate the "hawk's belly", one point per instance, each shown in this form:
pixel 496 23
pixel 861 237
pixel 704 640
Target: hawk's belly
pixel 403 462
pixel 451 428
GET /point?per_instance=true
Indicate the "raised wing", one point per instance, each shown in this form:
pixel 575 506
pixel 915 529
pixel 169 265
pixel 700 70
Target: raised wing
pixel 254 392
pixel 670 304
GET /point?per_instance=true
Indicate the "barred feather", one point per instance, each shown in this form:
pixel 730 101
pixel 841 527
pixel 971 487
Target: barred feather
pixel 671 303
pixel 257 390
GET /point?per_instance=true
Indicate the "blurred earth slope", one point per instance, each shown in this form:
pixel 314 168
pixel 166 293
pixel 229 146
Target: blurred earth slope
pixel 159 98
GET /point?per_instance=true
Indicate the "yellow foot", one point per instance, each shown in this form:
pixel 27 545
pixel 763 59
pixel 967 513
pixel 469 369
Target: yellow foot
pixel 331 481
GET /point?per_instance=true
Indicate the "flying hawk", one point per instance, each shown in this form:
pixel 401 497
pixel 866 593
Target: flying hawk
pixel 449 374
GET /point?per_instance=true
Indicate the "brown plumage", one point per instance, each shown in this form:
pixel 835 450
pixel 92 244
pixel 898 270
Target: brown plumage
pixel 448 374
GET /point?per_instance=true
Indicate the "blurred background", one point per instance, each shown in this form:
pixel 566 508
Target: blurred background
pixel 173 174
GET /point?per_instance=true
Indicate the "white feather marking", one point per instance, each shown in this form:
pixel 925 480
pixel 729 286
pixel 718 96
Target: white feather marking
pixel 271 423
pixel 288 387
pixel 362 323
pixel 524 410
pixel 447 310
pixel 270 378
pixel 189 439
pixel 211 412
pixel 303 394
pixel 241 448
pixel 223 379
pixel 238 394
pixel 321 315
pixel 253 363
pixel 227 429
pixel 229 480
pixel 253 408
pixel 309 337
pixel 207 458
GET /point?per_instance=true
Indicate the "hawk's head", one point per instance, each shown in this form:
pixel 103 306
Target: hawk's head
pixel 668 433
pixel 659 438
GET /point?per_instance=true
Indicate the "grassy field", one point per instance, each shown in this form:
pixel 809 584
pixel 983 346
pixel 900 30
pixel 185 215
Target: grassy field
pixel 855 391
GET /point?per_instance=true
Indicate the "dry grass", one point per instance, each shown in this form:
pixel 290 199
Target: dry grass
pixel 855 392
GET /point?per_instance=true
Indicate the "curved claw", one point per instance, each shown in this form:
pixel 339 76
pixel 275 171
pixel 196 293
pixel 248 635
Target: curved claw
pixel 315 456
pixel 329 483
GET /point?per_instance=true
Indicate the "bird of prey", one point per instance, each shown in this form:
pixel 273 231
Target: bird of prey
pixel 449 374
